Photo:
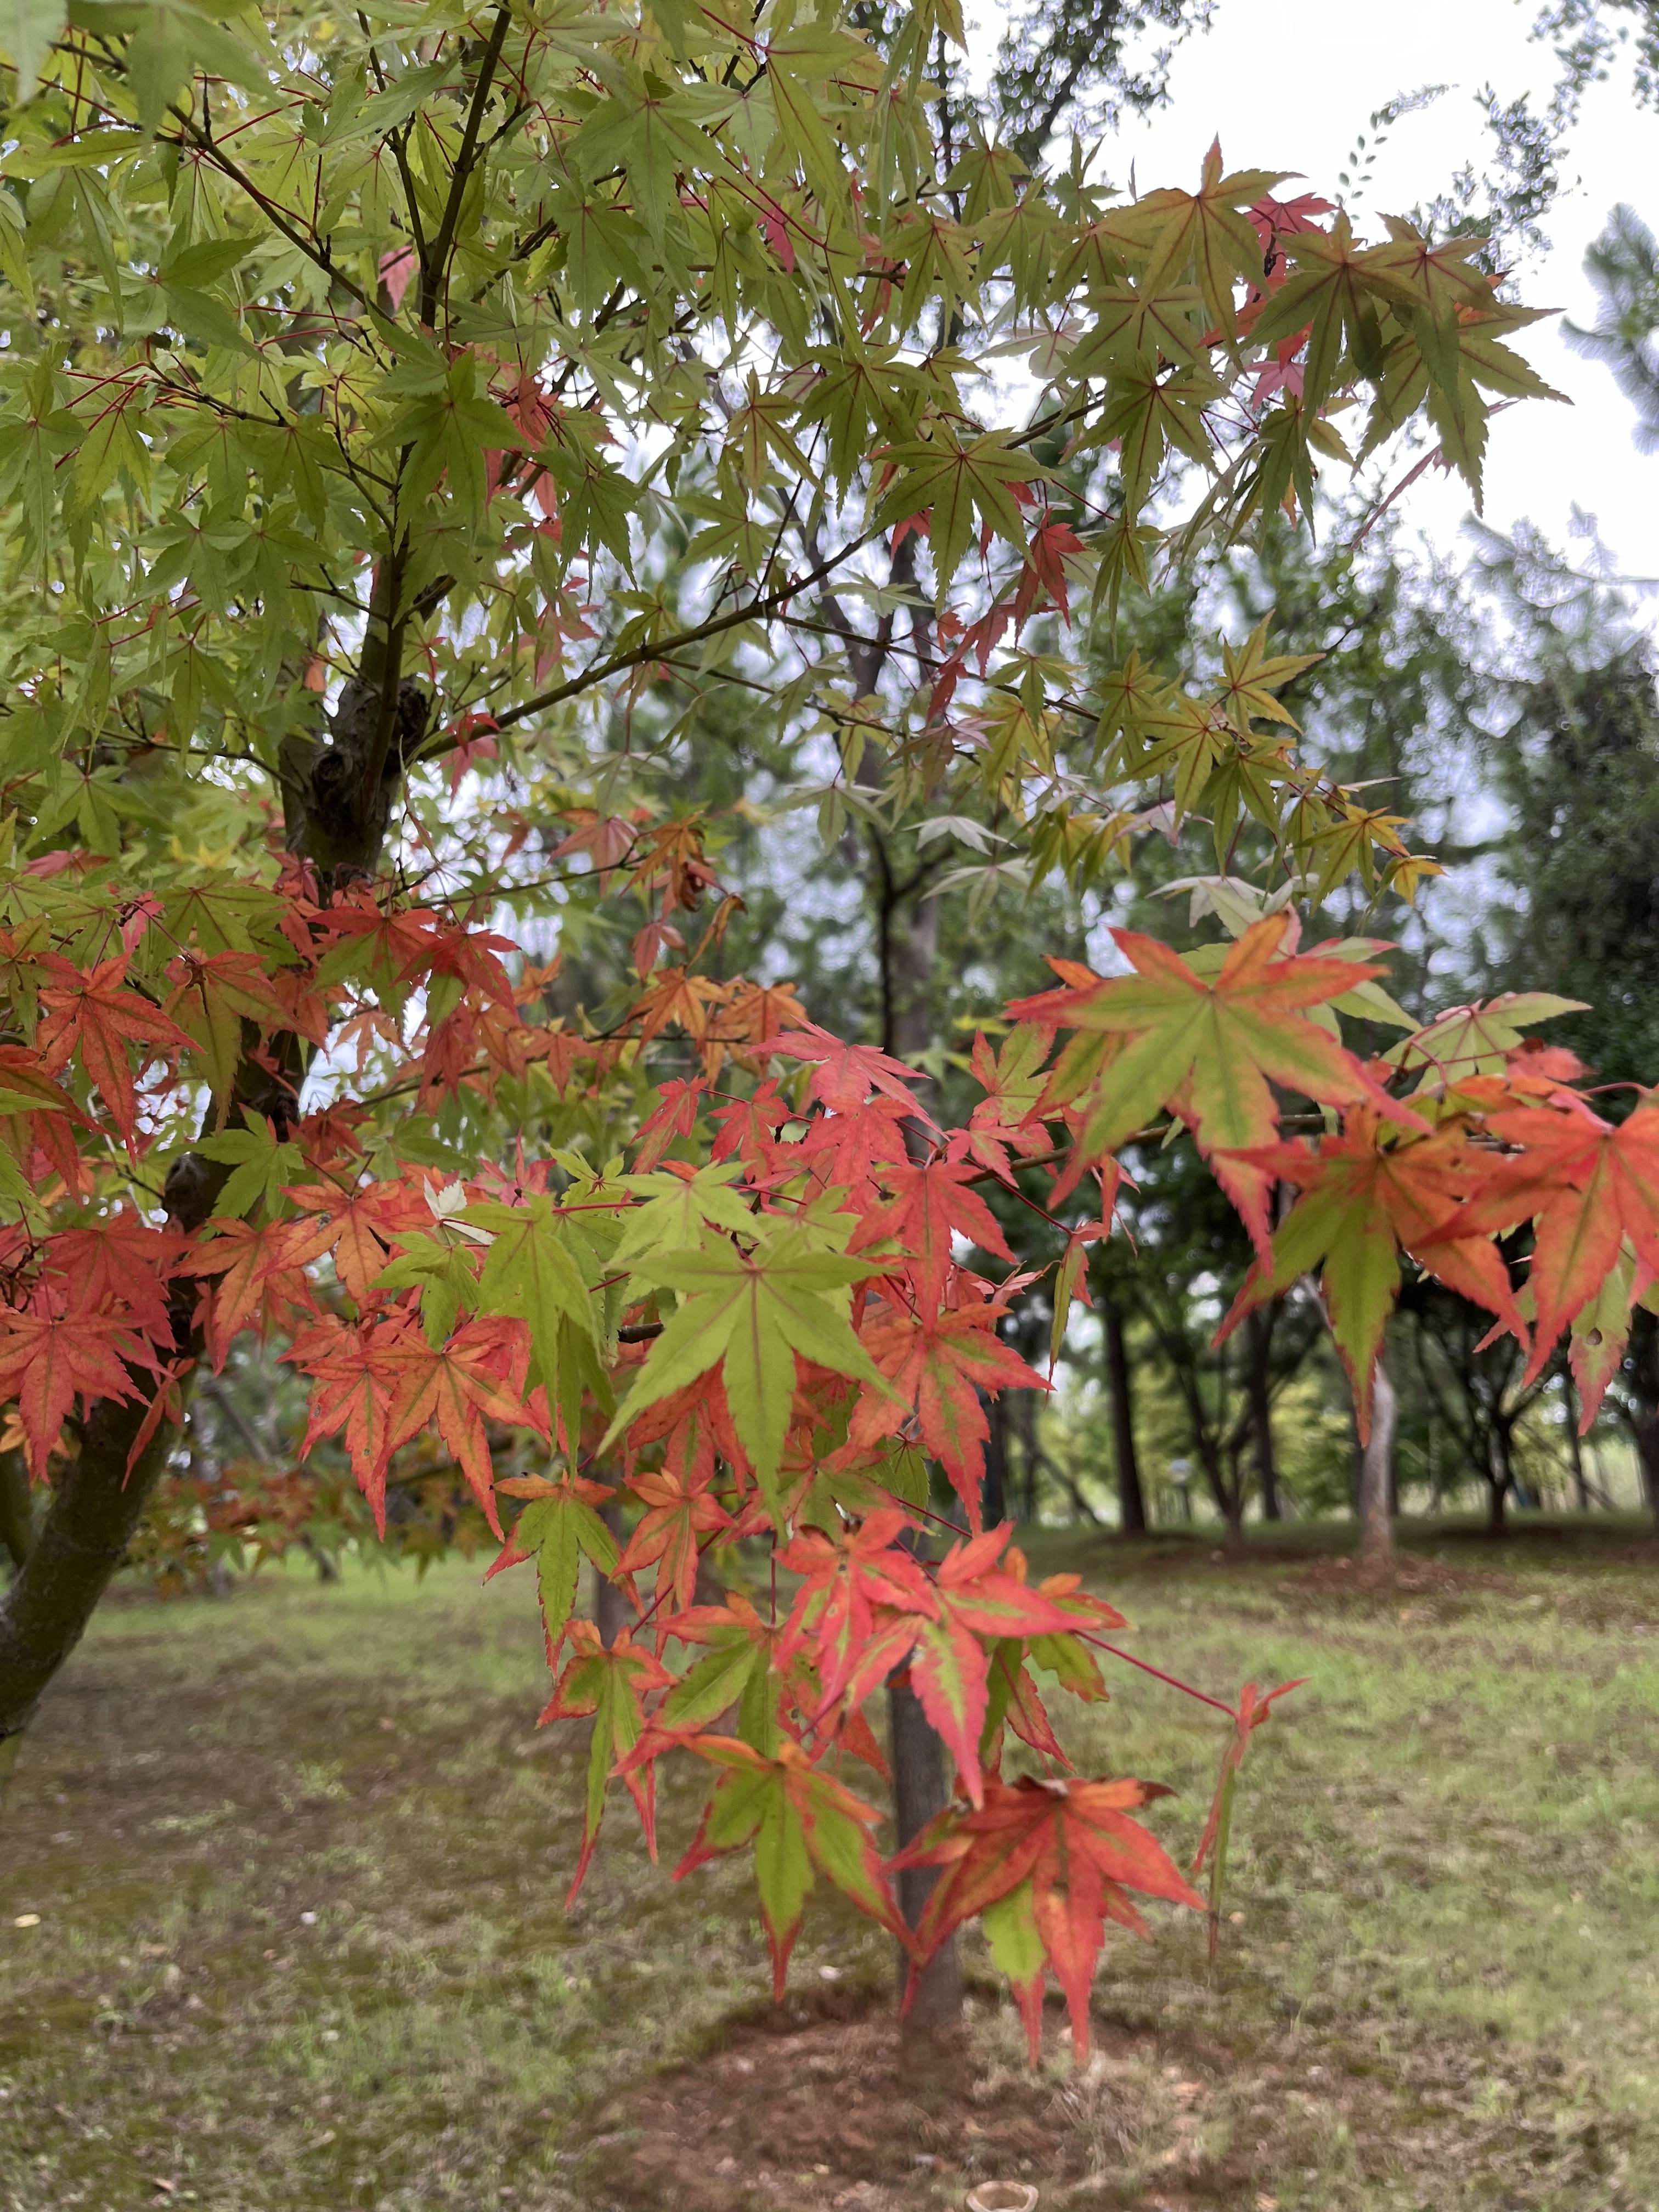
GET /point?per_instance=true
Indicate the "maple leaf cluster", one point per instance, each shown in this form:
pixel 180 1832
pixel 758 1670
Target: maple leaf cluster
pixel 767 1327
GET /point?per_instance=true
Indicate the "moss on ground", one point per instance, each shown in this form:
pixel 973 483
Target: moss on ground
pixel 300 1859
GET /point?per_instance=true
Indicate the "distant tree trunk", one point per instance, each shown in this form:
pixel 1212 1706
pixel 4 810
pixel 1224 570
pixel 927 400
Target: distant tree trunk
pixel 17 1508
pixel 1228 1496
pixel 1497 1499
pixel 1575 1442
pixel 1376 1528
pixel 1500 1477
pixel 995 1499
pixel 1130 1498
pixel 1258 1344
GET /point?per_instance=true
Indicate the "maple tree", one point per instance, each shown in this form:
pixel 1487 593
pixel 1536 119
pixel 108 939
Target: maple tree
pixel 413 428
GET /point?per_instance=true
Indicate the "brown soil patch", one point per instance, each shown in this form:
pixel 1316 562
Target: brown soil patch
pixel 1402 1575
pixel 797 2114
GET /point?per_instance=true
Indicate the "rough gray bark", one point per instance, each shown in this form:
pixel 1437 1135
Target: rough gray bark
pixel 1575 1442
pixel 1500 1475
pixel 1645 1419
pixel 995 1501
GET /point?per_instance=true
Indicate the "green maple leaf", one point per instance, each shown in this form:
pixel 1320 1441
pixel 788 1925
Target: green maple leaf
pixel 1205 231
pixel 558 1529
pixel 1254 677
pixel 532 1275
pixel 958 482
pixel 678 1208
pixel 609 1685
pixel 1149 412
pixel 261 1164
pixel 798 1818
pixel 749 1315
pixel 647 130
pixel 27 28
pixel 444 1276
pixel 1130 323
pixel 1336 292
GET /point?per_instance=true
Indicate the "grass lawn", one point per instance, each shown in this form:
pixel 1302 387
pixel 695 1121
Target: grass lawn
pixel 299 1859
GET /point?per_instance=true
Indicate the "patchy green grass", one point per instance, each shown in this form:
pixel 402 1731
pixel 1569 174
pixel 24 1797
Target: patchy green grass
pixel 300 1859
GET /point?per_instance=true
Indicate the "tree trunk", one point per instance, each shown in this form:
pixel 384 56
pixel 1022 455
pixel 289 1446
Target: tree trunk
pixel 1644 1378
pixel 1500 1476
pixel 1130 1498
pixel 17 1508
pixel 337 800
pixel 1258 1344
pixel 1376 1528
pixel 1229 1497
pixel 1575 1442
pixel 1497 1499
pixel 920 1792
pixel 611 1611
pixel 906 946
pixel 994 1501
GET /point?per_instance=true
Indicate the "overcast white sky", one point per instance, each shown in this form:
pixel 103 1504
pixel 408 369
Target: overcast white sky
pixel 1295 81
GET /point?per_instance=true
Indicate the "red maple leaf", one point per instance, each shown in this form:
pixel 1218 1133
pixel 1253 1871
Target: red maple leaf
pixel 49 1129
pixel 349 1399
pixel 1055 1861
pixel 397 937
pixel 92 1012
pixel 383 1381
pixel 478 1374
pixel 678 1510
pixel 118 1264
pixel 845 1150
pixel 845 1578
pixel 971 1601
pixel 1367 1195
pixel 1585 1185
pixel 357 1226
pixel 1211 1047
pixel 749 1126
pixel 264 1283
pixel 845 1075
pixel 47 1360
pixel 676 1116
pixel 1045 570
pixel 939 1362
pixel 930 1204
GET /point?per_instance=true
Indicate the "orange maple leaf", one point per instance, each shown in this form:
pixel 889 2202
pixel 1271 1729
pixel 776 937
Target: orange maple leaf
pixel 1211 1049
pixel 91 1012
pixel 1058 1859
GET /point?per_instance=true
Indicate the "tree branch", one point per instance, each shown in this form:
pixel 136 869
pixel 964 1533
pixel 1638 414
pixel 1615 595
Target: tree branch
pixel 432 263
